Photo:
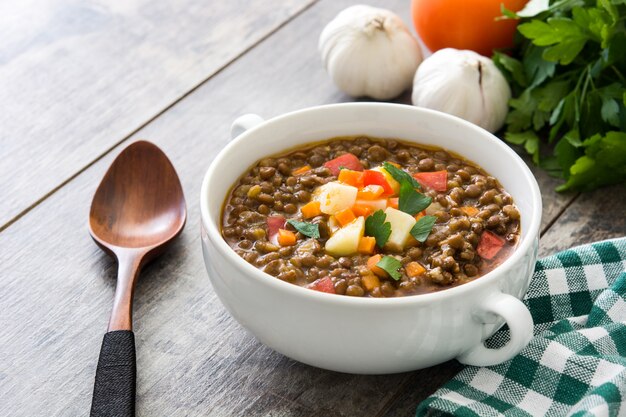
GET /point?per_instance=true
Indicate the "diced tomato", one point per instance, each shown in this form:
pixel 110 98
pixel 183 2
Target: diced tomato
pixel 347 160
pixel 274 224
pixel 377 178
pixel 489 245
pixel 324 285
pixel 437 180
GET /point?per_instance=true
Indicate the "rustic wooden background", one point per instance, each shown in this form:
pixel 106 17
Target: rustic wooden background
pixel 80 80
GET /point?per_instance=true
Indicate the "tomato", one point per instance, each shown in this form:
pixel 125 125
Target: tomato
pixel 437 180
pixel 274 224
pixel 324 285
pixel 489 245
pixel 377 178
pixel 347 160
pixel 464 24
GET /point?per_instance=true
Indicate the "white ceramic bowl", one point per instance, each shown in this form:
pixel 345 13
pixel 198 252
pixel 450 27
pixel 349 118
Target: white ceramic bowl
pixel 373 335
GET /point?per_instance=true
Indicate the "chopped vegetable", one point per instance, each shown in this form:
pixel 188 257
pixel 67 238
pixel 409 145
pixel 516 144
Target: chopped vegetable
pixel 334 197
pixel 393 202
pixel 323 285
pixel 414 269
pixel 348 161
pixel 373 205
pixel 353 178
pixel 400 175
pixel 395 185
pixel 437 180
pixel 274 223
pixel 390 265
pixel 286 237
pixel 367 245
pixel 370 281
pixel 345 241
pixel 372 266
pixel 301 170
pixel 376 226
pixel 345 216
pixel 401 225
pixel 370 192
pixel 371 177
pixel 423 227
pixel 307 229
pixel 360 210
pixel 411 201
pixel 311 209
pixel 489 245
pixel 568 80
pixel 469 210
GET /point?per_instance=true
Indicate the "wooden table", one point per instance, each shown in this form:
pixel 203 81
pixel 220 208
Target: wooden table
pixel 81 80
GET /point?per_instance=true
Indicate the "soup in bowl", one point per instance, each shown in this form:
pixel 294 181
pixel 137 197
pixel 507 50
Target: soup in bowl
pixel 371 237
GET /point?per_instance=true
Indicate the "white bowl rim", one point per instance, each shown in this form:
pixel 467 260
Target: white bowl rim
pixel 289 289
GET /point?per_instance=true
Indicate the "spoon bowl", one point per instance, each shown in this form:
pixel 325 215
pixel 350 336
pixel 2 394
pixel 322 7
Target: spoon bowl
pixel 137 210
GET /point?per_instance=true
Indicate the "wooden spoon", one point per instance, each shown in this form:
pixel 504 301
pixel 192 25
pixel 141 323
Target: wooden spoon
pixel 137 210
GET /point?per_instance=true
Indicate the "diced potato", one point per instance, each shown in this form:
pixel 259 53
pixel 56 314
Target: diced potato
pixel 395 185
pixel 401 225
pixel 334 197
pixel 345 241
pixel 333 225
pixel 434 207
pixel 379 204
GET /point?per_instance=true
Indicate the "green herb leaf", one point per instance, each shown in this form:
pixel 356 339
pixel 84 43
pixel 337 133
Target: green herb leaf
pixel 376 226
pixel 401 175
pixel 423 227
pixel 391 266
pixel 411 201
pixel 307 229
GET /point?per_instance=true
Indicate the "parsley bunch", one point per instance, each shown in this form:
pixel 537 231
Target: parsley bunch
pixel 568 78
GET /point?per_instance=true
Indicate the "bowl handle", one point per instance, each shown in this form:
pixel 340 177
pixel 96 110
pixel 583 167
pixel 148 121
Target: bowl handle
pixel 243 123
pixel 517 316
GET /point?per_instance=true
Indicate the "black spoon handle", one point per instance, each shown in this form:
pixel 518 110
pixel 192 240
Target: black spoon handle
pixel 114 389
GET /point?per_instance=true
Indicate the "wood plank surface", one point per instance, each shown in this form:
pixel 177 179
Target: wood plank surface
pixel 77 77
pixel 193 358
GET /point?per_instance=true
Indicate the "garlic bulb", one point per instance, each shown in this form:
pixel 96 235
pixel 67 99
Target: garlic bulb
pixel 465 84
pixel 369 52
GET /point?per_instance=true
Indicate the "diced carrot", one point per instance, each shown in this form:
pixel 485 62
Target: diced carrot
pixel 301 170
pixel 311 209
pixel 370 192
pixel 354 178
pixel 345 216
pixel 371 265
pixel 286 237
pixel 366 245
pixel 420 214
pixel 469 210
pixel 393 202
pixel 360 210
pixel 370 281
pixel 414 269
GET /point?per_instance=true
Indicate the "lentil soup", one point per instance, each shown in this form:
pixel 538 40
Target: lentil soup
pixel 370 217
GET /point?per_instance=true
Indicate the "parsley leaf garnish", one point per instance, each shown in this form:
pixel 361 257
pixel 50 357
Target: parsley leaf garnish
pixel 376 226
pixel 567 79
pixel 411 201
pixel 391 266
pixel 307 229
pixel 401 175
pixel 423 227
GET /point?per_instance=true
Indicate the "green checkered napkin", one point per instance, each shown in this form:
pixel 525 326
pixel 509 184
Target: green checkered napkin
pixel 576 363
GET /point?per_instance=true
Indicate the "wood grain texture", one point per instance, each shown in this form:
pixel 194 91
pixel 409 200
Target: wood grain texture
pixel 193 358
pixel 76 77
